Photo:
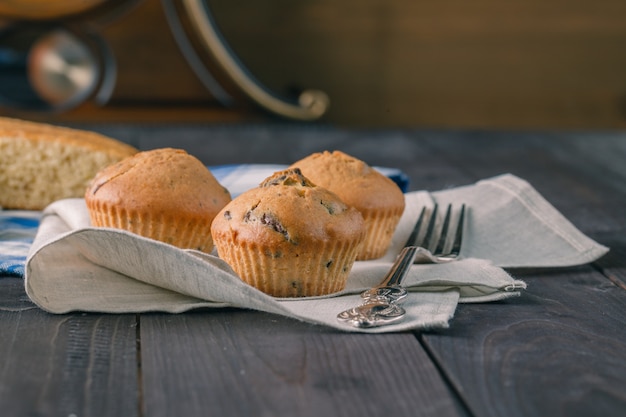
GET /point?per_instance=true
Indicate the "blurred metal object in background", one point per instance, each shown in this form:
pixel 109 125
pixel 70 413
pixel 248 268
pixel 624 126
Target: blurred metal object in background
pixel 51 56
pixel 50 67
pixel 204 47
pixel 62 69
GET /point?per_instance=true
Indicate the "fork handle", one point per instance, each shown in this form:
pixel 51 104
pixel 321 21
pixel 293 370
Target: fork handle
pixel 382 308
pixel 400 268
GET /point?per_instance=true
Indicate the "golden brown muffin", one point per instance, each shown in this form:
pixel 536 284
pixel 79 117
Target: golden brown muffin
pixel 378 198
pixel 289 237
pixel 42 163
pixel 163 194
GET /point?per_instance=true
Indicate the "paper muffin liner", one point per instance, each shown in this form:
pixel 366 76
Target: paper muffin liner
pixel 380 227
pixel 323 271
pixel 175 230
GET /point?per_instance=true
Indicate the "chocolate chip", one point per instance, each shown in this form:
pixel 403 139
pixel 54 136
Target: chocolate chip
pixel 271 221
pixel 328 207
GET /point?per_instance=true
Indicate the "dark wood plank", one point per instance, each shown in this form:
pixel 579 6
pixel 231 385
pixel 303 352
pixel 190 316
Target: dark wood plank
pixel 76 364
pixel 12 295
pixel 613 264
pixel 559 350
pixel 568 169
pixel 242 363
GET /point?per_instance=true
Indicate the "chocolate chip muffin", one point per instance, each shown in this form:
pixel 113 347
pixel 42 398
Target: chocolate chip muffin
pixel 378 198
pixel 289 237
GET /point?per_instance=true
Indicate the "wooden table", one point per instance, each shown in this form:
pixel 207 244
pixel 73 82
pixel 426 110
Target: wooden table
pixel 558 350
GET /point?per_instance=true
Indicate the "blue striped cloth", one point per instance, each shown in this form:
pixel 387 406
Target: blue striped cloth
pixel 18 227
pixel 17 231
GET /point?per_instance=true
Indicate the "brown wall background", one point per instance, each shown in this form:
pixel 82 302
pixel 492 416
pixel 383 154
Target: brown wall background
pixel 529 64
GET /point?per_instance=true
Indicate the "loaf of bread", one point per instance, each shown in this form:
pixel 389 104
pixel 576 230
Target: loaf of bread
pixel 42 163
pixel 378 198
pixel 288 237
pixel 163 194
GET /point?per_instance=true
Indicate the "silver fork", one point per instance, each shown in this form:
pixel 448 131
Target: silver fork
pixel 445 249
pixel 380 303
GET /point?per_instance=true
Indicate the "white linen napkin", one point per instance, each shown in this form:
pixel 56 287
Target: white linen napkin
pixel 509 223
pixel 75 267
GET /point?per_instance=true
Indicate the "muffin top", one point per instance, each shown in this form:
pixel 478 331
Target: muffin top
pixel 288 209
pixel 161 181
pixel 354 181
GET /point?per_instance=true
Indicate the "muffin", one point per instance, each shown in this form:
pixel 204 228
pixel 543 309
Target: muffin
pixel 163 194
pixel 378 198
pixel 289 237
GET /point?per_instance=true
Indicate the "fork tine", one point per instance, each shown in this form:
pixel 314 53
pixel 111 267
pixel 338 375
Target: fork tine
pixel 458 237
pixel 443 237
pixel 412 241
pixel 431 228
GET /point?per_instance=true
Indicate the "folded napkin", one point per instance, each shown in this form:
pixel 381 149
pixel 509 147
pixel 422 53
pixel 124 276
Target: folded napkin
pixel 73 266
pixel 509 223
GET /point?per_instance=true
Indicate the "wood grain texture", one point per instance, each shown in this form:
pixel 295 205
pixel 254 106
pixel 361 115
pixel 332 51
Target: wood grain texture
pixel 83 365
pixel 574 337
pixel 588 189
pixel 560 350
pixel 12 295
pixel 241 363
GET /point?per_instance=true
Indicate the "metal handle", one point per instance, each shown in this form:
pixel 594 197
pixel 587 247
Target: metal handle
pixel 380 303
pixel 310 105
pixel 398 271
